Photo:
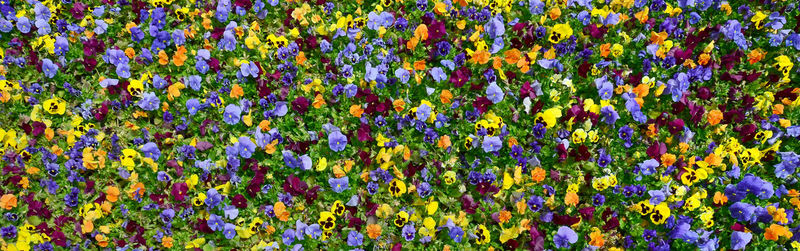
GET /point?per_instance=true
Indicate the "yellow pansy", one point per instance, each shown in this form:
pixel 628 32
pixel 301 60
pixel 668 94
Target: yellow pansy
pixel 196 243
pixel 401 219
pixel 199 200
pixel 508 234
pixel 322 164
pixel 430 225
pixel 672 11
pixel 192 181
pixel 480 45
pixel 750 157
pixel 397 187
pixel 549 117
pixel 784 65
pixel 55 106
pixel 449 177
pixel 691 176
pixel 484 236
pixel 573 188
pixel 560 32
pixel 758 18
pixel 327 221
pixel 381 140
pixel 593 136
pixel 692 203
pixel 508 180
pixel 578 136
pixel 644 207
pixel 128 157
pixel 432 207
pixel 616 50
pixel 600 184
pixel 660 214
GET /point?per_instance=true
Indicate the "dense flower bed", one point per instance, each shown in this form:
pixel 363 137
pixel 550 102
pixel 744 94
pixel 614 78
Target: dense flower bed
pixel 399 124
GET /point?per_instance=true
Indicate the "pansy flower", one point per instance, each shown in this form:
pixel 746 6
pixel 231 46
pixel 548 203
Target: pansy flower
pixel 55 106
pixel 337 141
pixel 327 221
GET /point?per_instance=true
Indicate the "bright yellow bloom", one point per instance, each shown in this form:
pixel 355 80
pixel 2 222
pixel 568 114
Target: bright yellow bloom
pixel 660 214
pixel 55 106
pixel 484 236
pixel 560 32
pixel 758 18
pixel 397 187
pixel 128 157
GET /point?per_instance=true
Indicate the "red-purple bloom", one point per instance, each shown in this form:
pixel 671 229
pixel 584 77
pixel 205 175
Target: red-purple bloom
pixel 300 105
pixel 179 191
pixel 239 201
pixel 460 77
pixel 294 185
pixel 468 204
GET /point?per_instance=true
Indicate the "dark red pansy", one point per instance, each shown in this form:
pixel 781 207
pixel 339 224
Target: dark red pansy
pixel 312 194
pixel 656 150
pixel 300 105
pixel 468 204
pixel 675 126
pixel 611 224
pixel 565 220
pixel 482 104
pixel 587 213
pixel 294 186
pixel 239 201
pixel 179 191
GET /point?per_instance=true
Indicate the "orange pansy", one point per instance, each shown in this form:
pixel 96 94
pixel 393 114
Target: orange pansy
pixel 444 142
pixel 356 110
pixel 373 231
pixel 571 199
pixel 419 65
pixel 714 117
pixel 319 101
pixel 421 32
pixel 512 56
pixel 180 56
pixel 280 211
pixel 236 91
pixel 8 201
pixel 446 96
pixel 399 105
pixel 538 174
pixel 480 57
pixel 605 49
pixel 596 239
